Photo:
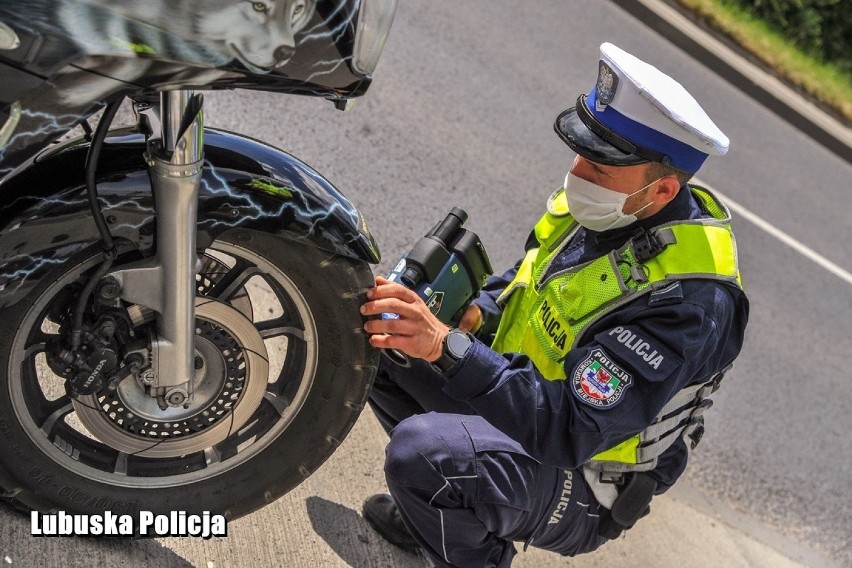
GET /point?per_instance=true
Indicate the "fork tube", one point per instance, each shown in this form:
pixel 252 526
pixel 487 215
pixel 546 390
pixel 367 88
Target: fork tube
pixel 175 176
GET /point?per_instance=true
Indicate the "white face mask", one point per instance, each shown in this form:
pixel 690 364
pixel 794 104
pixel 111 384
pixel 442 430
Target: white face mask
pixel 599 208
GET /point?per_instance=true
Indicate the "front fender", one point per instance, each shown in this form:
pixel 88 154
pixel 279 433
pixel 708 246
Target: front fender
pixel 45 217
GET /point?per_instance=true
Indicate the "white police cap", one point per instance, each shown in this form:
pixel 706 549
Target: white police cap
pixel 636 114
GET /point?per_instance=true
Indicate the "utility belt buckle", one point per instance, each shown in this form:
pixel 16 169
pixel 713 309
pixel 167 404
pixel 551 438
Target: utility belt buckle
pixel 611 477
pixel 694 430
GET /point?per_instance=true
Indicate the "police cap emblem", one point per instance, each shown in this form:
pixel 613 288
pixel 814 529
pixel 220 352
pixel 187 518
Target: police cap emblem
pixel 606 85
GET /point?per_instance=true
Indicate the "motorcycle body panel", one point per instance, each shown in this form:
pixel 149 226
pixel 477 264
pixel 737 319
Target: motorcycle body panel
pixel 67 56
pixel 45 217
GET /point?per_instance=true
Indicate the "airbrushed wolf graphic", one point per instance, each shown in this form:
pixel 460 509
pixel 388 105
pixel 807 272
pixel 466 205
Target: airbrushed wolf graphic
pixel 260 35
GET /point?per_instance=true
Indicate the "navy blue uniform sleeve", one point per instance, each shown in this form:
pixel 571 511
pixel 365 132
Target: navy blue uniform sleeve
pixel 617 382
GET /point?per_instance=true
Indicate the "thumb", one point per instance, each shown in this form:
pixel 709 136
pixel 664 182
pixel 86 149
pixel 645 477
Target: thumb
pixel 471 320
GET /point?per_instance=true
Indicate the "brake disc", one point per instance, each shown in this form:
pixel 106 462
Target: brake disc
pixel 226 390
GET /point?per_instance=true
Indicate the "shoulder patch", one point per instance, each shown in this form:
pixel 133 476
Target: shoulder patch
pixel 671 294
pixel 641 352
pixel 599 382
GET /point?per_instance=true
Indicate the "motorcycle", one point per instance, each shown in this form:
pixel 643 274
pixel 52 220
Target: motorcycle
pixel 179 303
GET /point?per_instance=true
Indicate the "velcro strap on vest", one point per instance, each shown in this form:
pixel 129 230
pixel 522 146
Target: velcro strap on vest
pixel 657 430
pixel 681 417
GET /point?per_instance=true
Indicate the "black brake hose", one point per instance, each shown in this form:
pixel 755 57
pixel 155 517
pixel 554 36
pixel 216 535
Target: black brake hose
pixel 106 238
pixel 87 129
pixel 91 170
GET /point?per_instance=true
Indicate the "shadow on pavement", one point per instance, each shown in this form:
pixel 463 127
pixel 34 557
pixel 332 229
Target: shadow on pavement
pixel 352 539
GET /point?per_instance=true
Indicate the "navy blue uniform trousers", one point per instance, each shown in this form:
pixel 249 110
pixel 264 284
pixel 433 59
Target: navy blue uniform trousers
pixel 466 490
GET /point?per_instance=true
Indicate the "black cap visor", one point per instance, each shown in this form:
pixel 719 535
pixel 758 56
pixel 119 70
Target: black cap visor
pixel 595 146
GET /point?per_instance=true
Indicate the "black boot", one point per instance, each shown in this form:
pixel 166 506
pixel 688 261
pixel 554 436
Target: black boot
pixel 383 515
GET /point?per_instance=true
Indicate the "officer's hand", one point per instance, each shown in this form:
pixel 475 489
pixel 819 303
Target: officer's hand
pixel 417 332
pixel 472 319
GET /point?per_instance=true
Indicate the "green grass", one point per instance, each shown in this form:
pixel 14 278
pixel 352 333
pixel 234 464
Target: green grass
pixel 821 81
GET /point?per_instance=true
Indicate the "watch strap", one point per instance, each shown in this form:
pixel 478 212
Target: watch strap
pixel 448 359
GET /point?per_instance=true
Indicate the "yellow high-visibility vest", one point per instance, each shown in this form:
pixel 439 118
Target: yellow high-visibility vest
pixel 544 318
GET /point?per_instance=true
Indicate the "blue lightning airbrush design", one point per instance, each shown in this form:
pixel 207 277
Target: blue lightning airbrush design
pixel 220 186
pixel 250 208
pixel 146 217
pixel 19 270
pixel 307 207
pixel 31 265
pixel 329 32
pixel 320 213
pixel 335 64
pixel 48 124
pixel 39 125
pixel 42 204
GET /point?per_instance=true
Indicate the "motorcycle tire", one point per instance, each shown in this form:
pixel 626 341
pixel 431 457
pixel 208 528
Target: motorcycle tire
pixel 301 302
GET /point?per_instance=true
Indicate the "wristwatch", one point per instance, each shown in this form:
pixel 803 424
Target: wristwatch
pixel 456 345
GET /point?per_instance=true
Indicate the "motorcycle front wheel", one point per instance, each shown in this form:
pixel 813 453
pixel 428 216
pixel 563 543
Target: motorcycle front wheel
pixel 284 369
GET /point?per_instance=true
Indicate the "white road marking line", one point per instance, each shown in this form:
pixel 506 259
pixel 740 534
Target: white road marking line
pixel 781 235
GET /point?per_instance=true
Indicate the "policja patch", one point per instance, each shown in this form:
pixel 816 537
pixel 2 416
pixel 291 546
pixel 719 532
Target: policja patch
pixel 599 382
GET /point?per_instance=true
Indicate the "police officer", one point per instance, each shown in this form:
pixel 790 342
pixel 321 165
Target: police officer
pixel 573 390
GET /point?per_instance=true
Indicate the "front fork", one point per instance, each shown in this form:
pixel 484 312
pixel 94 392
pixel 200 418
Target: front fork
pixel 166 282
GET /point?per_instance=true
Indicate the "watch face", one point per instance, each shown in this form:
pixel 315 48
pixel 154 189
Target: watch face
pixel 458 343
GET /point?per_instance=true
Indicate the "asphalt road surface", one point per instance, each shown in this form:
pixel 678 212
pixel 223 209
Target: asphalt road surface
pixel 461 114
